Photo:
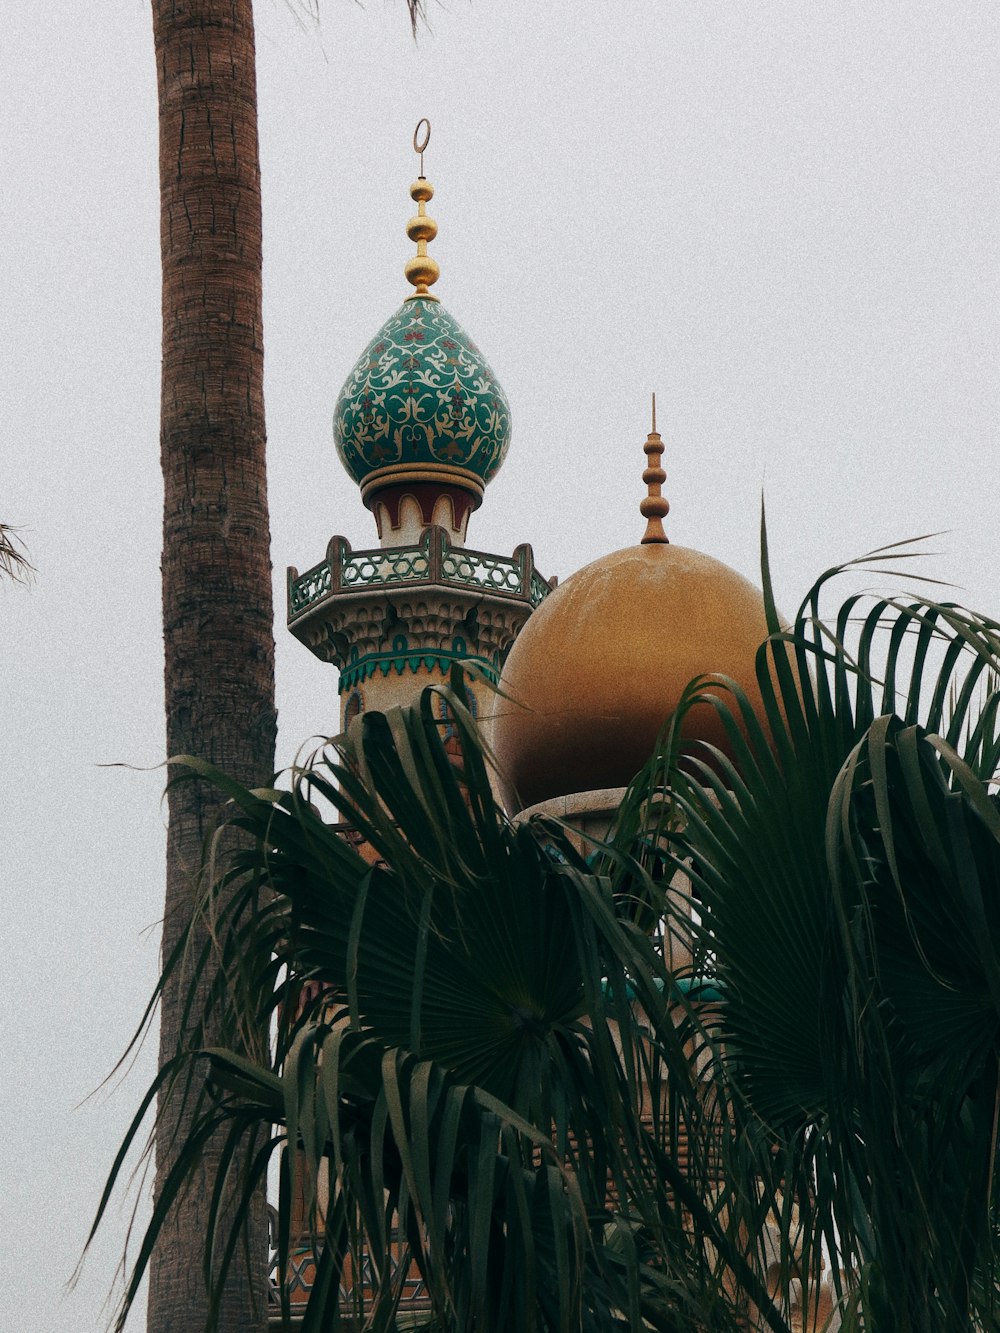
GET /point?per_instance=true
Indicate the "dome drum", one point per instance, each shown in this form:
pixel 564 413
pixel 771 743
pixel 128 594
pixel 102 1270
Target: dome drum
pixel 407 500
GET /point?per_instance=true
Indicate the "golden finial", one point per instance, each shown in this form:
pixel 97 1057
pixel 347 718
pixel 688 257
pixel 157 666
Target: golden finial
pixel 421 269
pixel 654 507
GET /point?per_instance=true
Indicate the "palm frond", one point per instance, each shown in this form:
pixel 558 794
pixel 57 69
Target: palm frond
pixel 480 1055
pixel 670 1081
pixel 14 562
pixel 846 865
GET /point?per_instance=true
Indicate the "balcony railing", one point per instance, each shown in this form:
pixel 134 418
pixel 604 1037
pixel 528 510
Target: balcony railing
pixel 432 561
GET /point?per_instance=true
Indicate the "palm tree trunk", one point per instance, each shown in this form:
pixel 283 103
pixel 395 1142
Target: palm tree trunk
pixel 217 609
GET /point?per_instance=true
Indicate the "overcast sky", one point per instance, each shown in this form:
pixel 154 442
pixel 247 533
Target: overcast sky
pixel 781 216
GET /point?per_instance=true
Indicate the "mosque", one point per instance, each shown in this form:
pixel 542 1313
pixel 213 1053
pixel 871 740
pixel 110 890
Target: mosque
pixel 588 668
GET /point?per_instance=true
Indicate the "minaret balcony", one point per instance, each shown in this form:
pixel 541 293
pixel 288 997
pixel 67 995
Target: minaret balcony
pixel 432 561
pixel 418 607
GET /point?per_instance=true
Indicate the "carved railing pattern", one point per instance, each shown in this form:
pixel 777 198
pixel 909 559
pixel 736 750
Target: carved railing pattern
pixel 475 569
pixel 311 587
pixel 433 560
pixel 404 564
pixel 538 588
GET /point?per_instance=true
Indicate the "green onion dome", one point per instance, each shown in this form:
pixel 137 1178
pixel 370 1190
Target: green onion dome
pixel 421 412
pixel 422 405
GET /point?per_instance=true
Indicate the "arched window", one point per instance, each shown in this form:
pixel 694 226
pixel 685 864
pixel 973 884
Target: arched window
pixel 468 698
pixel 355 705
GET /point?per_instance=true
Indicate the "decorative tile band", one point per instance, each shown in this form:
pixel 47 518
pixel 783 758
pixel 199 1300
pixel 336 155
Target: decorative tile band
pixel 442 660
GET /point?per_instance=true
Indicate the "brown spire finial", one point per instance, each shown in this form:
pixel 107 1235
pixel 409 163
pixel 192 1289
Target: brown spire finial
pixel 654 507
pixel 421 270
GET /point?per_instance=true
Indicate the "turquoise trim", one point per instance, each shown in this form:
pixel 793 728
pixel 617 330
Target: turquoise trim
pixel 700 988
pixel 694 988
pixel 442 659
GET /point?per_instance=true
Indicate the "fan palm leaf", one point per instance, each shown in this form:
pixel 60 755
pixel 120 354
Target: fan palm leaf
pixel 480 1060
pixel 846 864
pixel 581 1092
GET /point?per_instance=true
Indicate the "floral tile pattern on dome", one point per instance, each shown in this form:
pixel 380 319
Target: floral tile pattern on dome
pixel 422 394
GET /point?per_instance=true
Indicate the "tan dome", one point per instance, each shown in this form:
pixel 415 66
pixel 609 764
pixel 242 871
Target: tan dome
pixel 601 665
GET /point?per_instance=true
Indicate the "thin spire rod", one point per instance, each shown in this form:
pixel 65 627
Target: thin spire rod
pixel 421 270
pixel 654 506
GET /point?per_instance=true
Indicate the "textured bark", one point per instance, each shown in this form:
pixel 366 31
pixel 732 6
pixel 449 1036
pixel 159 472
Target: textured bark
pixel 217 612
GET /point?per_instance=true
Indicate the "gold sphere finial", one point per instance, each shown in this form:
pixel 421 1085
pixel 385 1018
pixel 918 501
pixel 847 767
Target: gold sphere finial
pixel 421 270
pixel 654 507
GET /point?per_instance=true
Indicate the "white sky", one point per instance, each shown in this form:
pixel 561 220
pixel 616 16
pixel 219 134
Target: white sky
pixel 780 216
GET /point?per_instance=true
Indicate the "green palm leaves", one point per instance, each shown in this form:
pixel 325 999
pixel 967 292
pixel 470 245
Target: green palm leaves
pixel 460 1065
pixel 848 876
pixel 737 1064
pixel 14 562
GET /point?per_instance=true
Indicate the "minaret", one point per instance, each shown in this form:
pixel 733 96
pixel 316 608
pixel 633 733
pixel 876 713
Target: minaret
pixel 422 426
